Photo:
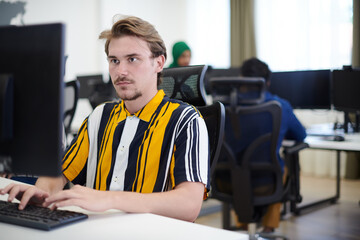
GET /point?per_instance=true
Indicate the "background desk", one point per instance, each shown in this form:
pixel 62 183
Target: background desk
pixel 351 143
pixel 118 225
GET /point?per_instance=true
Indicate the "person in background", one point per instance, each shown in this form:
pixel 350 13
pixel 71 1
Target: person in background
pixel 145 153
pixel 181 53
pixel 291 128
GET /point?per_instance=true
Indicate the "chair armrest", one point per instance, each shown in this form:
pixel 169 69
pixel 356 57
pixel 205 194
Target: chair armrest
pixel 295 147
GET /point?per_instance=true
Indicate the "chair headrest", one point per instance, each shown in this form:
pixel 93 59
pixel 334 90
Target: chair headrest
pixel 238 90
pixel 185 83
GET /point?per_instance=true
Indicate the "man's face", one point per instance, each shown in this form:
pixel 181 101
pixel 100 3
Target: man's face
pixel 132 68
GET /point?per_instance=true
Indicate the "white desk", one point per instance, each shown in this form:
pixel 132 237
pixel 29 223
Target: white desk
pixel 118 225
pixel 351 143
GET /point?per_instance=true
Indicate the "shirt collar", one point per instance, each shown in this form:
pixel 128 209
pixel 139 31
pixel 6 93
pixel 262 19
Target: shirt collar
pixel 147 111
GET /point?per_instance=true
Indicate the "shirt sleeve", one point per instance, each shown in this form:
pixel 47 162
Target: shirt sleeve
pixel 295 130
pixel 192 152
pixel 75 158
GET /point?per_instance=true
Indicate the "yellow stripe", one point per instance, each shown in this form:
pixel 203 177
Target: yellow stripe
pixel 152 150
pixel 81 155
pixel 172 167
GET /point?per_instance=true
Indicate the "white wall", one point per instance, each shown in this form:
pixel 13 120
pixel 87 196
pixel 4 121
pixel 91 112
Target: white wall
pixel 82 28
pixel 203 24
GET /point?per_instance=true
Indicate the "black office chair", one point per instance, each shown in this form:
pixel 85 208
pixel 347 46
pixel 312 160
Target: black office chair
pixel 214 116
pixel 219 72
pixel 71 96
pixel 292 187
pixel 185 83
pixel 248 176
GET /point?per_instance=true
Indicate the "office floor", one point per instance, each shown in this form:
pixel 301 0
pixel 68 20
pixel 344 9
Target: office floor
pixel 330 222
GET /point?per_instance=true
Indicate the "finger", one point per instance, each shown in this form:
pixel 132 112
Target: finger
pixel 53 207
pixel 6 189
pixel 68 202
pixel 26 197
pixel 62 195
pixel 33 194
pixel 46 204
pixel 14 192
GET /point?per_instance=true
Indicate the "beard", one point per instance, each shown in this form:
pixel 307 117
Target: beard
pixel 123 91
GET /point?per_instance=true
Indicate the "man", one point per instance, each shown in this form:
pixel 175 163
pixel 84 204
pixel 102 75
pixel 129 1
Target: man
pixel 145 153
pixel 290 128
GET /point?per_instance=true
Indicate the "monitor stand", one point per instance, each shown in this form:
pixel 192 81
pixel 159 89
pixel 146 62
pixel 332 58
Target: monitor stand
pixel 5 164
pixel 348 122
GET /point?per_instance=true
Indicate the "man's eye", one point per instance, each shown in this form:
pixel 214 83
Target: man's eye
pixel 115 61
pixel 132 59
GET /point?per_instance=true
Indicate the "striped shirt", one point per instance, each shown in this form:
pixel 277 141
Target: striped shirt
pixel 163 144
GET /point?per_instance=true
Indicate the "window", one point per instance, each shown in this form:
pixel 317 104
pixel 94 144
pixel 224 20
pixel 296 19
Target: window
pixel 209 32
pixel 304 34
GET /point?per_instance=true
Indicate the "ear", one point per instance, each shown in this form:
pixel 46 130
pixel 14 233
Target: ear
pixel 160 62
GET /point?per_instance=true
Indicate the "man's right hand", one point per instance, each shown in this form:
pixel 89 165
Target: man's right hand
pixel 26 194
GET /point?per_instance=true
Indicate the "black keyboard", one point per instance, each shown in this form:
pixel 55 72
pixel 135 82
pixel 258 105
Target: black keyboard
pixel 36 216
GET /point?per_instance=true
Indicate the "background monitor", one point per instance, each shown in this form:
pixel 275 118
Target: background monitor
pixel 345 85
pixel 32 59
pixel 88 84
pixel 303 89
pixel 219 72
pixel 95 89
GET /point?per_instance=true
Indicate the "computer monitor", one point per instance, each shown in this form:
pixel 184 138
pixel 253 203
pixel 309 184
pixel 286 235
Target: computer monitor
pixel 303 89
pixel 88 84
pixel 345 87
pixel 31 75
pixel 219 72
pixel 95 89
pixel 238 90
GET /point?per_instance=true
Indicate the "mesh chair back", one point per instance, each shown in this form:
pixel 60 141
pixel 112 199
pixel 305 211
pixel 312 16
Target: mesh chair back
pixel 214 116
pixel 185 83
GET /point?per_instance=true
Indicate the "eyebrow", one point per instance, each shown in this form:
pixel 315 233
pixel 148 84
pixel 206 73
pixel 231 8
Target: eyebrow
pixel 127 56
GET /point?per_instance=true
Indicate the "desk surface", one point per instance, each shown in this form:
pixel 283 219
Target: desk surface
pixel 351 143
pixel 316 141
pixel 119 225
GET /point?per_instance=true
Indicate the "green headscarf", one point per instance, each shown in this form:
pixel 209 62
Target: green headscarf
pixel 177 50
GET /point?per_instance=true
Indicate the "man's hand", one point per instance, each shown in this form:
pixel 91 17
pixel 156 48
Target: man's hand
pixel 6 175
pixel 27 194
pixel 86 198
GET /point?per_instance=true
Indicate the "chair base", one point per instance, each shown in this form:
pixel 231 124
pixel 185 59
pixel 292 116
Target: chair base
pixel 251 229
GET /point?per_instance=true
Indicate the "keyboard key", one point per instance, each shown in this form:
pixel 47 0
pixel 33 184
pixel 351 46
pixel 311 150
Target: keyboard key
pixel 36 216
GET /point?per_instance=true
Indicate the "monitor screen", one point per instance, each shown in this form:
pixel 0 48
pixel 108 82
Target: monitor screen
pixel 219 72
pixel 32 61
pixel 345 85
pixel 88 84
pixel 303 89
pixel 96 90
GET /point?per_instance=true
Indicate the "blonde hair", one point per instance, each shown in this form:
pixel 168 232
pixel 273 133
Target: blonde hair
pixel 134 26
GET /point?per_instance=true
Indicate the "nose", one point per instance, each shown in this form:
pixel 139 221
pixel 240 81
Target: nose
pixel 121 69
